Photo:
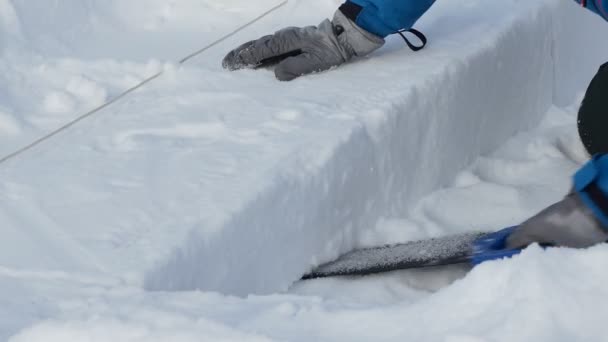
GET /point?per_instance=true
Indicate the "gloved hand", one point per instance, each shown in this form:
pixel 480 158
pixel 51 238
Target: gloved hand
pixel 569 223
pixel 301 51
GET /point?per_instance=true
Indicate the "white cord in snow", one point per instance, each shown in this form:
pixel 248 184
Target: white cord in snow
pixel 134 88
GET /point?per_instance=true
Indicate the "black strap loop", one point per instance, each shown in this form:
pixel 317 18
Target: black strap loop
pixel 418 35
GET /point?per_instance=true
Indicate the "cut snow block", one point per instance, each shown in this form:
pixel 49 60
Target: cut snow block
pixel 421 122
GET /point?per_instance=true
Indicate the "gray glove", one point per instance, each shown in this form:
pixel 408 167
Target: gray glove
pixel 568 223
pixel 301 51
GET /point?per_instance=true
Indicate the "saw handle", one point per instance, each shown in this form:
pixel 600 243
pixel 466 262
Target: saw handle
pixel 493 246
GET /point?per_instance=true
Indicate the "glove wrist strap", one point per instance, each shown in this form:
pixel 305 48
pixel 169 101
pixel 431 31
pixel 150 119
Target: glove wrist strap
pixel 350 10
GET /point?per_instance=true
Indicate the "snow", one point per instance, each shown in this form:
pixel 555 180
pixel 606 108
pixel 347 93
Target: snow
pixel 142 222
pixel 555 295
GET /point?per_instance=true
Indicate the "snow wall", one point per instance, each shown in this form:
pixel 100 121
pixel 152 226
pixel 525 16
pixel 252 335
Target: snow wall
pixel 545 53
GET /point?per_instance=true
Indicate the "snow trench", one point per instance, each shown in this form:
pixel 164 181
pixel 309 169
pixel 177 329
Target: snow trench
pixel 413 144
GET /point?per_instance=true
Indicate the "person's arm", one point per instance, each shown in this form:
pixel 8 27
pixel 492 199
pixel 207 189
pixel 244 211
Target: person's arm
pixel 358 28
pixel 385 17
pixel 579 220
pixel 598 6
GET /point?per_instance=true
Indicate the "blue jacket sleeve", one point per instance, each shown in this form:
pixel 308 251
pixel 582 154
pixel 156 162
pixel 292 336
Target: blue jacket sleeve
pixel 385 17
pixel 598 6
pixel 591 182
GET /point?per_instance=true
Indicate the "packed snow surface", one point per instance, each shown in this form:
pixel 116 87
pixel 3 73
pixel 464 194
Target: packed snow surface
pixel 189 210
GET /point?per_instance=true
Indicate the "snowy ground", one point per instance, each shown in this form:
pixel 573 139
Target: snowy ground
pixel 553 295
pixel 236 184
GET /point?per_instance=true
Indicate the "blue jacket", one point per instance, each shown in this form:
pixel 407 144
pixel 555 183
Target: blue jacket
pixel 385 17
pixel 598 6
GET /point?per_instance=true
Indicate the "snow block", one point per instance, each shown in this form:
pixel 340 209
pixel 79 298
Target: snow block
pixel 418 137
